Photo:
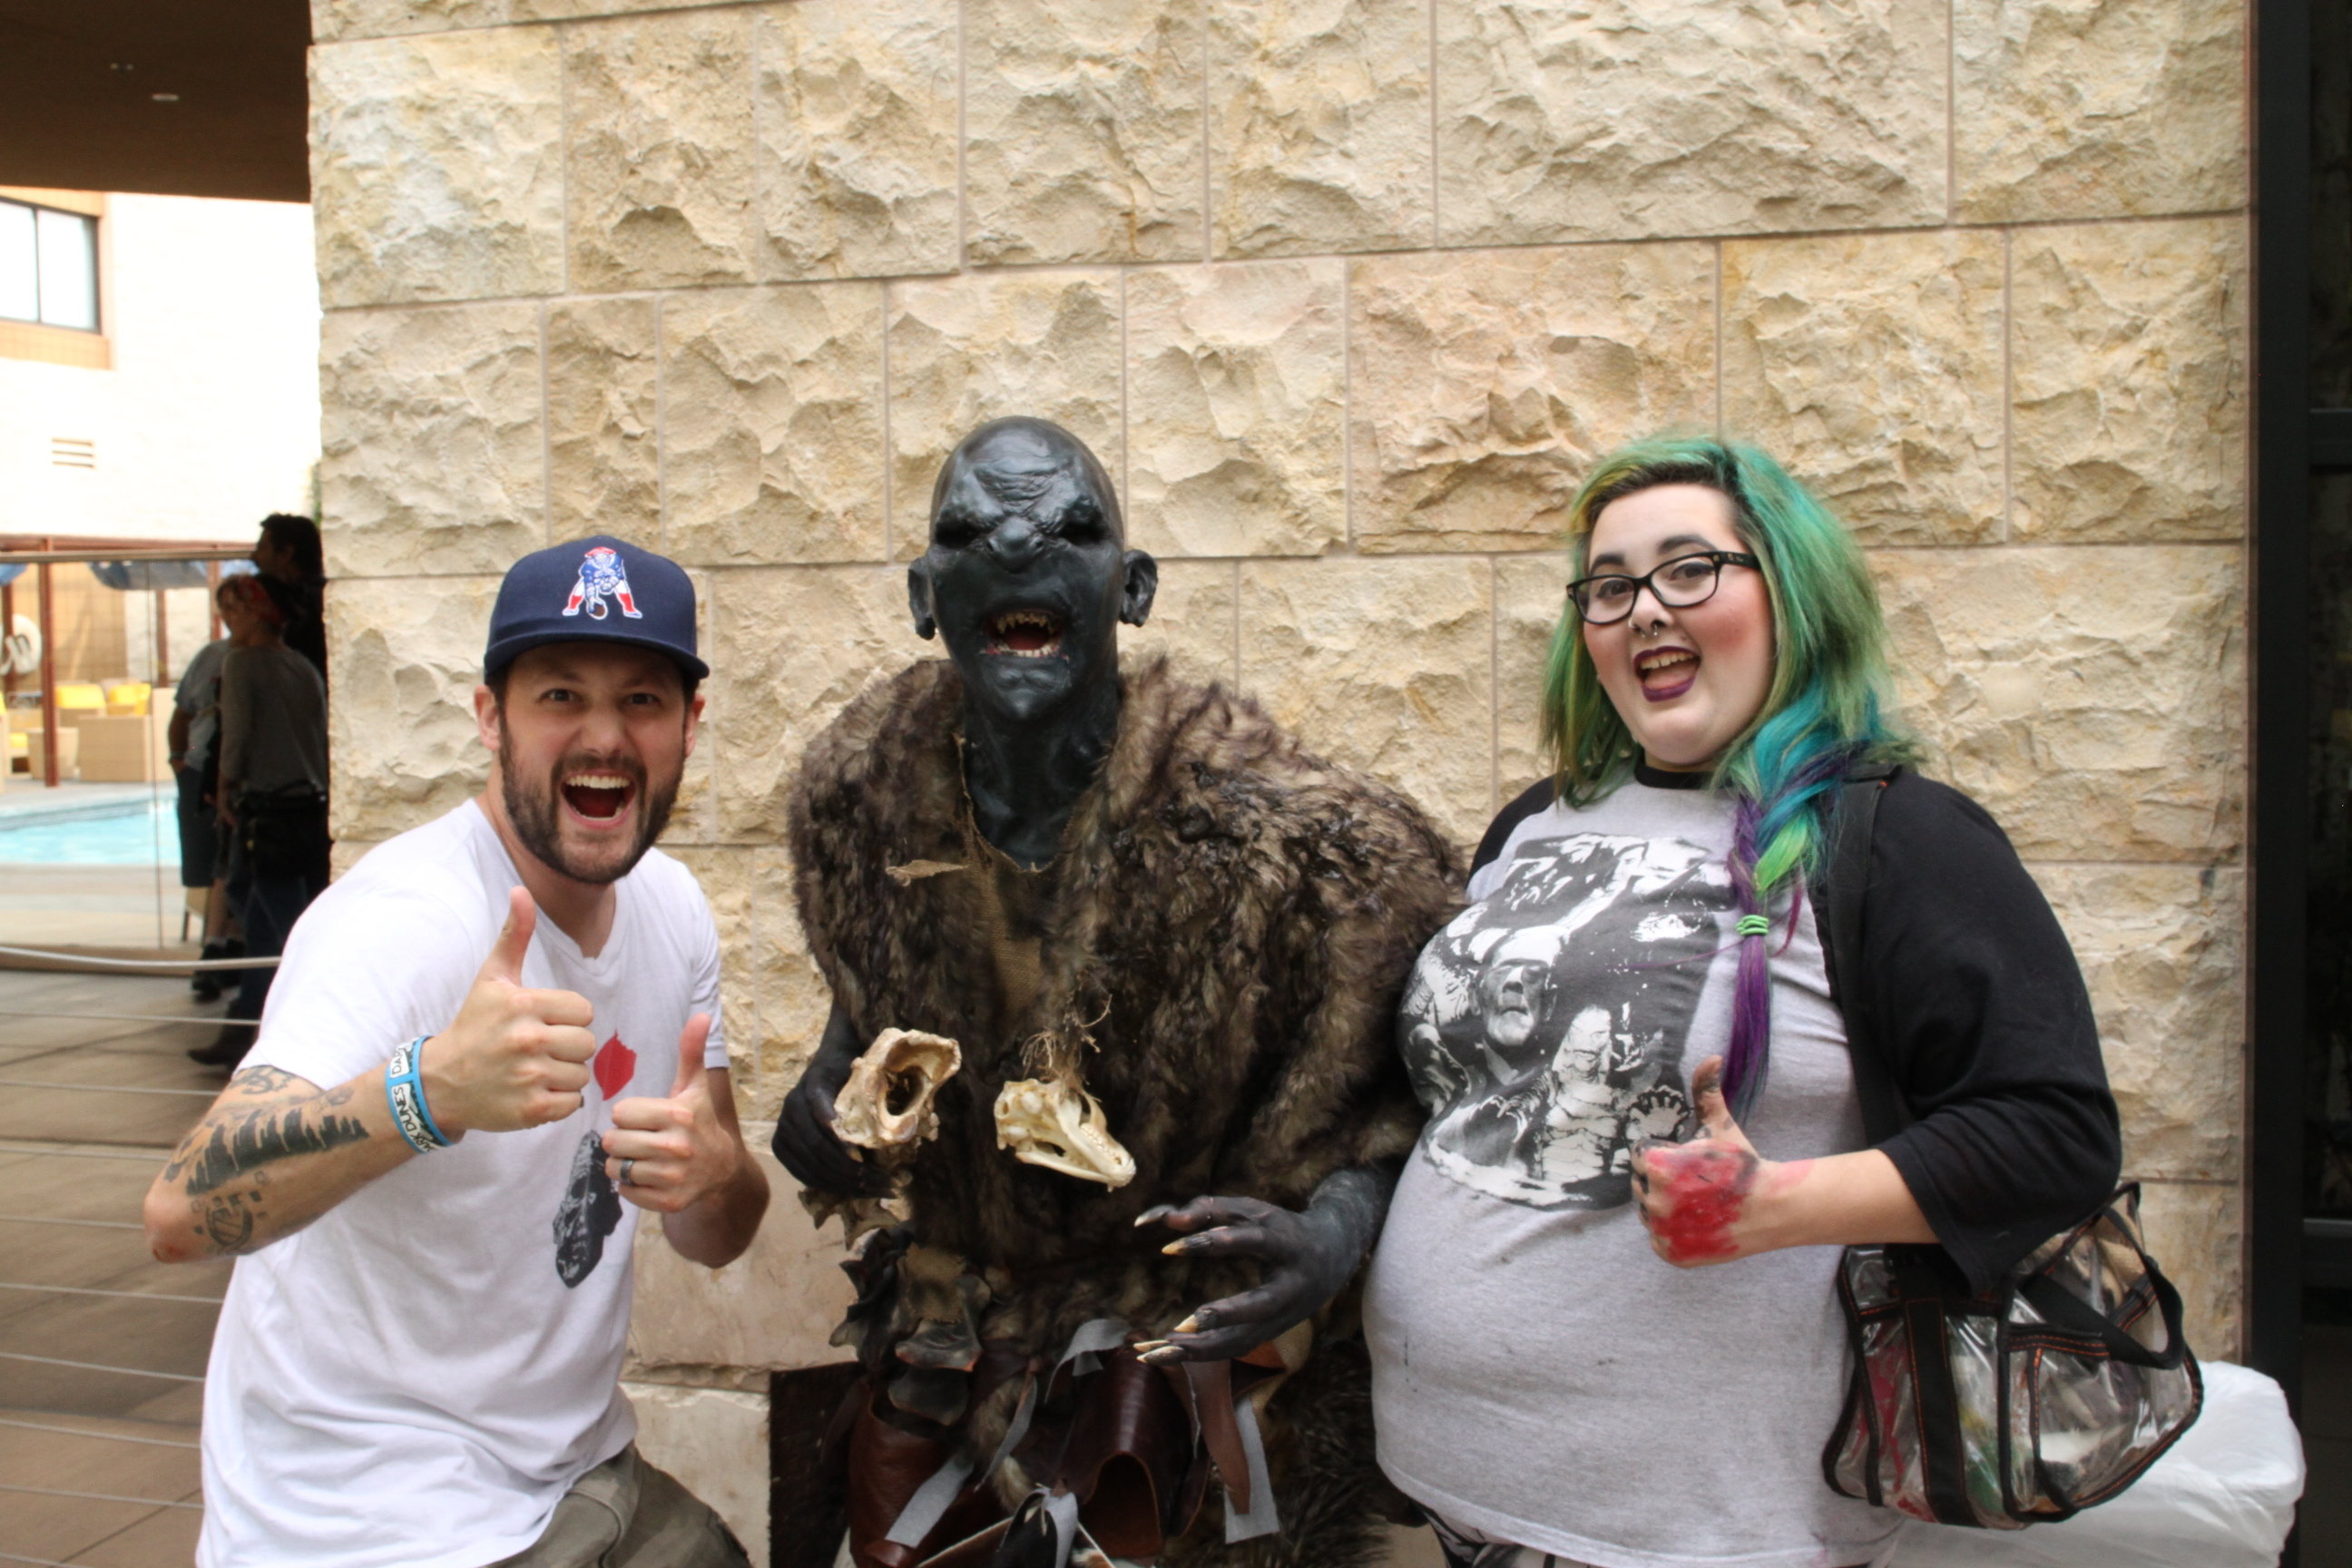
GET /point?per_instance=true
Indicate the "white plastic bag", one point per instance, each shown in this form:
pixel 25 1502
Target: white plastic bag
pixel 2222 1496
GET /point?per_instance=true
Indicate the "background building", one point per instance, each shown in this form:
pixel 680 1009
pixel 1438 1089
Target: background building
pixel 172 395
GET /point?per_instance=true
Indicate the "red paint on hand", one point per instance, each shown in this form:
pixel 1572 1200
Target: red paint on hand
pixel 1708 1184
pixel 616 1066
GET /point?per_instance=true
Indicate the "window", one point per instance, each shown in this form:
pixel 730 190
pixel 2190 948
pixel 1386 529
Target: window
pixel 48 266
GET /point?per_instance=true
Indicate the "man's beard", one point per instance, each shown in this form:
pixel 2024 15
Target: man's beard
pixel 533 815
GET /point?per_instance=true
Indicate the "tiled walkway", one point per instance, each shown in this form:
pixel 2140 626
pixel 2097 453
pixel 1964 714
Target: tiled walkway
pixel 101 1349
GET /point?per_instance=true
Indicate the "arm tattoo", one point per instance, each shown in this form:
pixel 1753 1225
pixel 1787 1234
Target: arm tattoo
pixel 258 1080
pixel 242 1140
pixel 227 1220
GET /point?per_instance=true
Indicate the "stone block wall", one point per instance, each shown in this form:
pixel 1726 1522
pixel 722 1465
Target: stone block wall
pixel 1347 294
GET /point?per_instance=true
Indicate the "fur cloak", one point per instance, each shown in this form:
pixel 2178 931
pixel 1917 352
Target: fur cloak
pixel 1231 923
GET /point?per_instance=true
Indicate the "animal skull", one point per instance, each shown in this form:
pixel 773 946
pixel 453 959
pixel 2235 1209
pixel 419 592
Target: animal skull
pixel 1054 1123
pixel 887 1102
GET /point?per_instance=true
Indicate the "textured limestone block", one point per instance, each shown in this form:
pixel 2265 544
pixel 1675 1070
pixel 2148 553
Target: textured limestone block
pixel 431 456
pixel 1082 129
pixel 793 997
pixel 979 348
pixel 715 1441
pixel 603 393
pixel 1236 393
pixel 1319 126
pixel 856 111
pixel 2130 376
pixel 791 645
pixel 2091 697
pixel 369 18
pixel 1483 385
pixel 2098 107
pixel 659 169
pixel 2196 1233
pixel 1193 620
pixel 694 819
pixel 1530 596
pixel 437 167
pixel 331 19
pixel 772 424
pixel 1385 665
pixel 346 853
pixel 404 656
pixel 727 878
pixel 2162 950
pixel 1872 366
pixel 1561 120
pixel 773 1308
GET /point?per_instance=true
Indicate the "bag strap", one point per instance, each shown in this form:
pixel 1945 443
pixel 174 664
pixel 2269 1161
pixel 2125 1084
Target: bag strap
pixel 2063 1309
pixel 1852 827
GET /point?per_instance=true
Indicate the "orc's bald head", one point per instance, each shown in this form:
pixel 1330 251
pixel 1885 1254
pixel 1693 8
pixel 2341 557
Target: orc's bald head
pixel 1028 575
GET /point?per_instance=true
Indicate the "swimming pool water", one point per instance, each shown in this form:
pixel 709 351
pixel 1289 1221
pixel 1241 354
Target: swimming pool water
pixel 142 835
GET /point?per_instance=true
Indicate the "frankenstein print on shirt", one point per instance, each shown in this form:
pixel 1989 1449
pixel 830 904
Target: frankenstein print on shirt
pixel 1545 1027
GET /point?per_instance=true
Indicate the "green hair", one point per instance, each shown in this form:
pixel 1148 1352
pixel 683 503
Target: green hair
pixel 1825 708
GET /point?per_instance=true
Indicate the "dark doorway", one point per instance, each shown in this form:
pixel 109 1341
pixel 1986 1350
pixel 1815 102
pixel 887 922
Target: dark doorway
pixel 2300 1296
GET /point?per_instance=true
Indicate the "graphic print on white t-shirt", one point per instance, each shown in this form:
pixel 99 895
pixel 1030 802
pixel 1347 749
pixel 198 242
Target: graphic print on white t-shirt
pixel 590 1209
pixel 1534 1099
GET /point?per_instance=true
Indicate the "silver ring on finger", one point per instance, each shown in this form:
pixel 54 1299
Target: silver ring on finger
pixel 627 1167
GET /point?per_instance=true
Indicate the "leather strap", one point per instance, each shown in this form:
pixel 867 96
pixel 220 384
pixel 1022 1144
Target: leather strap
pixel 1221 1431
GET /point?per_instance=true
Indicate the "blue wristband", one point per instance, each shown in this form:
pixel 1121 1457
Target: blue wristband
pixel 404 1088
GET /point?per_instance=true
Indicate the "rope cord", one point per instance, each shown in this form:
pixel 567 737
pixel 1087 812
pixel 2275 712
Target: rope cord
pixel 12 1018
pixel 96 1366
pixel 140 965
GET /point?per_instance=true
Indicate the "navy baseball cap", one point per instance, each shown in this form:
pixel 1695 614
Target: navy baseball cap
pixel 594 590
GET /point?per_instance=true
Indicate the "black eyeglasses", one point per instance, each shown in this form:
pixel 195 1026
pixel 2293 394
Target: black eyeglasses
pixel 1679 584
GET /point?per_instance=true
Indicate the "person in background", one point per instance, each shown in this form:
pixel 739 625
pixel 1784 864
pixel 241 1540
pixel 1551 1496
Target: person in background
pixel 287 553
pixel 1603 1316
pixel 272 790
pixel 193 737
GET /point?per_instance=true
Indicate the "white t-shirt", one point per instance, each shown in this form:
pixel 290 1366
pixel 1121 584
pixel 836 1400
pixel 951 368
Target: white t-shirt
pixel 1540 1377
pixel 416 1378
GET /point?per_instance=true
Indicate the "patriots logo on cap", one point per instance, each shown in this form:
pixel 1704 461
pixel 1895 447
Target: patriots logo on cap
pixel 601 574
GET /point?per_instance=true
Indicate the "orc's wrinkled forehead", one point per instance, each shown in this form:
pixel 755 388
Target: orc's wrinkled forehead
pixel 1023 468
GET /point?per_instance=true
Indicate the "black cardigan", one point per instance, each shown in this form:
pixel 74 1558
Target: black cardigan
pixel 1981 1011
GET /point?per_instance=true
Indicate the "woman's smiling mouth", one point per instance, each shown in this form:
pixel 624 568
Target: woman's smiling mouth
pixel 1666 673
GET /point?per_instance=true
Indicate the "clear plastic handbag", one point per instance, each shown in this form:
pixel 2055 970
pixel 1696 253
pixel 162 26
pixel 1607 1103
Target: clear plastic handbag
pixel 2050 1393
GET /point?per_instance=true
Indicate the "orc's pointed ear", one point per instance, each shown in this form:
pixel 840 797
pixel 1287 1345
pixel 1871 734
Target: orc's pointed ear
pixel 1140 585
pixel 919 602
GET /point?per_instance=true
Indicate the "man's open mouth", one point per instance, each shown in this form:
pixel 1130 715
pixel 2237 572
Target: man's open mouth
pixel 599 797
pixel 1025 633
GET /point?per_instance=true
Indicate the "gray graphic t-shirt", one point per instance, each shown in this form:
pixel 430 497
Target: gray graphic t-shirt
pixel 1541 1378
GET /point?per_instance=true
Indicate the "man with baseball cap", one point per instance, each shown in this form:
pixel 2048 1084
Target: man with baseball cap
pixel 483 1038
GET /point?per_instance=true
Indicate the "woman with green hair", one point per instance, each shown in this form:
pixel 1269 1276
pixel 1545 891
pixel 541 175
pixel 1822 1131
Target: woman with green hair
pixel 1634 1057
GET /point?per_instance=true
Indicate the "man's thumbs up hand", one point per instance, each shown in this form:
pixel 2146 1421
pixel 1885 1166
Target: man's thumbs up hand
pixel 505 962
pixel 667 1155
pixel 692 1074
pixel 514 1057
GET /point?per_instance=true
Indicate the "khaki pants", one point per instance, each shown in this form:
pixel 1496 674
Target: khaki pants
pixel 625 1513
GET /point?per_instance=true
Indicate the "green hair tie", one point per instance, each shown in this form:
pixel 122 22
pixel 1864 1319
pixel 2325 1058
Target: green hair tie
pixel 1755 925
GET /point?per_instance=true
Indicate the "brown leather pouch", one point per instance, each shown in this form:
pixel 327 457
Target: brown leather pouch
pixel 888 1464
pixel 1129 1457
